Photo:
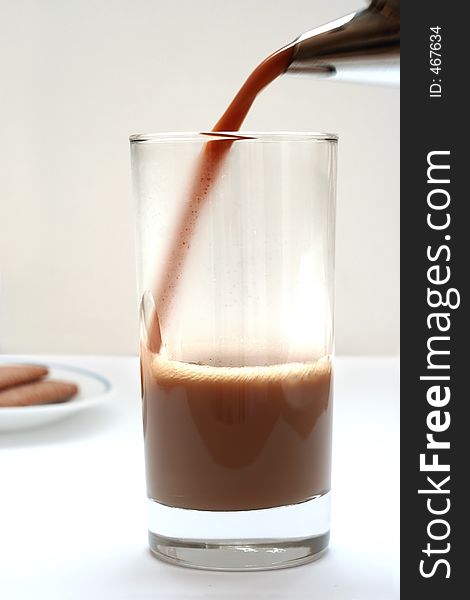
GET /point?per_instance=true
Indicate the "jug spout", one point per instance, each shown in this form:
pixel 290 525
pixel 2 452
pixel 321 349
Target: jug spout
pixel 363 46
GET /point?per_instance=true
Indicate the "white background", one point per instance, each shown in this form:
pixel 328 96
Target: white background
pixel 79 76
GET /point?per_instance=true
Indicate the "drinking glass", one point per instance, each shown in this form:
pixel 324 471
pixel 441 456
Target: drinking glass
pixel 235 257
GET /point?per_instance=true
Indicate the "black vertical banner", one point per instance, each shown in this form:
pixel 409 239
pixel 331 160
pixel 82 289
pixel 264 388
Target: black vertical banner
pixel 435 268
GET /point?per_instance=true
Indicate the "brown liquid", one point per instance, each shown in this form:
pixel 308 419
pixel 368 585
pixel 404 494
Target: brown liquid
pixel 235 438
pixel 230 438
pixel 208 167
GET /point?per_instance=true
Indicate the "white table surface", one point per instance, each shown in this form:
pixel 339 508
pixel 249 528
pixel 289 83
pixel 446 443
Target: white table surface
pixel 73 511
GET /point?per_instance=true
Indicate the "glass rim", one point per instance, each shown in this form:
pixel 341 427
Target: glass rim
pixel 236 136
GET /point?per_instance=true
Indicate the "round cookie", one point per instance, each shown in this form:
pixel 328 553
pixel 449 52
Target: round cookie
pixel 36 393
pixel 11 375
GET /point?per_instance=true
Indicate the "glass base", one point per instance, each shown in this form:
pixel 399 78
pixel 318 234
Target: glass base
pixel 272 538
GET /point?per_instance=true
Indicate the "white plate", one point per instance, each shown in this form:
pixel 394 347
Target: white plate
pixel 93 389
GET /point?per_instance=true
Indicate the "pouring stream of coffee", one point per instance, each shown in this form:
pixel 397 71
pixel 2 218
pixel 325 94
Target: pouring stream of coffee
pixel 207 170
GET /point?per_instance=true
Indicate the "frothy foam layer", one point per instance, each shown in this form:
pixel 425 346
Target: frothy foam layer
pixel 171 372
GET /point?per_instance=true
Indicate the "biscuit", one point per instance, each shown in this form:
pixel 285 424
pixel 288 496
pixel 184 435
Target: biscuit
pixel 11 375
pixel 38 392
